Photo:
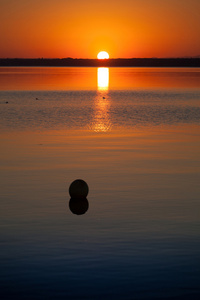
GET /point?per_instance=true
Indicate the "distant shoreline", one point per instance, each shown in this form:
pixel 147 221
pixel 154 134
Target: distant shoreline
pixel 119 62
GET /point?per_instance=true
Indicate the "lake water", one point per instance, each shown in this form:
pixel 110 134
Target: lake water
pixel 133 134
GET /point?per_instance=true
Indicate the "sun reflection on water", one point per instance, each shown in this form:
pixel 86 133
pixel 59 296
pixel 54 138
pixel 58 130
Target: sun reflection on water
pixel 101 120
pixel 103 79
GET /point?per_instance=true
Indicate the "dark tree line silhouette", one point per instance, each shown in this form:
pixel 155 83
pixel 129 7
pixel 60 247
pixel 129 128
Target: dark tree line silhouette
pixel 119 62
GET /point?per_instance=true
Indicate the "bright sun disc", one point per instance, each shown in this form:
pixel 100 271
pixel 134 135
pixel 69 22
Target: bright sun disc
pixel 103 55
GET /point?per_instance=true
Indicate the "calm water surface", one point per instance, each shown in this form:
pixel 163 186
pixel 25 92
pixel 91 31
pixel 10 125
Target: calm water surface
pixel 133 134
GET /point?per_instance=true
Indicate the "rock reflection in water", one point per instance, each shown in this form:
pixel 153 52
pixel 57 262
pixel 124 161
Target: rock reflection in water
pixel 78 206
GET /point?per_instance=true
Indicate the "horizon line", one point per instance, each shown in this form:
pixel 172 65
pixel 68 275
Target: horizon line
pixel 106 59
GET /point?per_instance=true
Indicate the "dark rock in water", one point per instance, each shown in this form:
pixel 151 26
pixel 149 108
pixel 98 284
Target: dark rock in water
pixel 6 102
pixel 36 98
pixel 78 189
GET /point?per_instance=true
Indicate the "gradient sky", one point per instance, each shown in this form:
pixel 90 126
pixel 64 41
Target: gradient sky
pixel 82 28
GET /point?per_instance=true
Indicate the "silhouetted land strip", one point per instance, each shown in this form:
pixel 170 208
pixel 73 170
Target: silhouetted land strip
pixel 119 62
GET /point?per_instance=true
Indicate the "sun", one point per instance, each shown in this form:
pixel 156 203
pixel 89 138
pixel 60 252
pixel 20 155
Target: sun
pixel 103 55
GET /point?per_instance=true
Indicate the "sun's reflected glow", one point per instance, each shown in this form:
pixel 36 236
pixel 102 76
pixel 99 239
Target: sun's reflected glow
pixel 103 78
pixel 101 119
pixel 103 55
pixel 101 122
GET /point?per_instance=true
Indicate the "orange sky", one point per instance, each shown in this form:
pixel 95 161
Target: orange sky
pixel 80 29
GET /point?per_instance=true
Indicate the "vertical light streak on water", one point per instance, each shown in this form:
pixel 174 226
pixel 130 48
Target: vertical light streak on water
pixel 103 79
pixel 101 119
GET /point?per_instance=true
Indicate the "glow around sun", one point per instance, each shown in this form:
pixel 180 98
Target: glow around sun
pixel 103 55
